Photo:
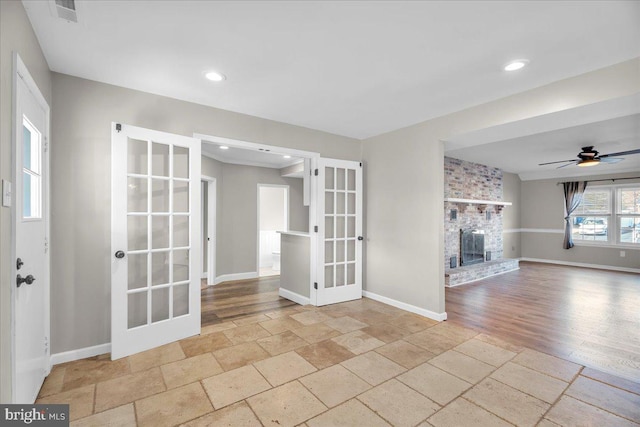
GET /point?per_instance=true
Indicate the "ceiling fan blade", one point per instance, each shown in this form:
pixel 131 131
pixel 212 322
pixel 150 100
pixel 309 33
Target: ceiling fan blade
pixel 612 160
pixel 573 162
pixel 621 153
pixel 552 163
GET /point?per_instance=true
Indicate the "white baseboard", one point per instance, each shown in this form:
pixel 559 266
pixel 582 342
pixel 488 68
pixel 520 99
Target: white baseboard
pixel 81 353
pixel 482 278
pixel 582 264
pixel 407 307
pixel 236 276
pixel 297 298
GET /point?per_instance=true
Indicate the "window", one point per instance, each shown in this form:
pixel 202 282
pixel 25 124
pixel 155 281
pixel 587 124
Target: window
pixel 31 171
pixel 608 215
pixel 628 215
pixel 591 219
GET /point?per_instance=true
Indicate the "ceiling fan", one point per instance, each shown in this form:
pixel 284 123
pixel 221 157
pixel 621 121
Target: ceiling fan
pixel 590 157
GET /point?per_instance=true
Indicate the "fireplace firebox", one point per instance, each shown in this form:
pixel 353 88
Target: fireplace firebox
pixel 471 246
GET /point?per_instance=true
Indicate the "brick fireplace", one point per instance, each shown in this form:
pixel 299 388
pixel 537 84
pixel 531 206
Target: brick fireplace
pixel 473 197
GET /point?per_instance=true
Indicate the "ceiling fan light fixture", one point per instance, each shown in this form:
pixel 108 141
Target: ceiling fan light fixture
pixel 588 162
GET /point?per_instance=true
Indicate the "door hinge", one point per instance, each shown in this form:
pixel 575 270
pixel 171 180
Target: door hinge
pixel 118 127
pixel 46 245
pixel 316 172
pixel 360 164
pixel 315 285
pixel 46 144
pixel 46 345
pixel 315 228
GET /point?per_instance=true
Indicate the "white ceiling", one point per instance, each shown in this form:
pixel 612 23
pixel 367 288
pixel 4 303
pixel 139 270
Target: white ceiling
pixel 249 157
pixel 521 155
pixel 350 68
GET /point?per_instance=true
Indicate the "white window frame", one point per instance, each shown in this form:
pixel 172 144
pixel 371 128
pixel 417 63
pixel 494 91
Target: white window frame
pixel 613 219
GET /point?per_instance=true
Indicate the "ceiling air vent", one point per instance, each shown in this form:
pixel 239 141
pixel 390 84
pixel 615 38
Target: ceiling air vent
pixel 66 9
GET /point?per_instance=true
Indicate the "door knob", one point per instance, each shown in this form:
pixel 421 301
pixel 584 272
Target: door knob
pixel 119 254
pixel 360 238
pixel 28 280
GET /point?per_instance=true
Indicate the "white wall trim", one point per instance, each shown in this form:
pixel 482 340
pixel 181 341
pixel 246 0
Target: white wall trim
pixel 533 230
pixel 236 276
pixel 297 298
pixel 482 278
pixel 81 353
pixel 407 307
pixel 582 264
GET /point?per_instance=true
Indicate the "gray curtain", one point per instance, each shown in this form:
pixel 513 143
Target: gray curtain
pixel 573 193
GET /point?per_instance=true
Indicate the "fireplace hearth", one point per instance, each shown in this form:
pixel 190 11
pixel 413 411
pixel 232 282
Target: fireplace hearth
pixel 471 246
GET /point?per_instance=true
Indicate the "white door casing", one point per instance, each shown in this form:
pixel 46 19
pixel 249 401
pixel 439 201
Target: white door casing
pixel 30 233
pixel 339 267
pixel 211 229
pixel 155 239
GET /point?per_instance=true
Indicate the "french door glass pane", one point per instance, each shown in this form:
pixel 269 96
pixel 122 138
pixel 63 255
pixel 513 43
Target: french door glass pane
pixel 339 251
pixel 160 304
pixel 340 203
pixel 340 179
pixel 351 274
pixel 328 276
pixel 328 251
pixel 329 179
pixel 180 265
pixel 160 195
pixel 180 231
pixel 180 300
pixel 351 250
pixel 160 231
pixel 159 159
pixel 137 309
pixel 351 180
pixel 181 196
pixel 137 156
pixel 180 162
pixel 328 227
pixel 137 271
pixel 340 227
pixel 137 190
pixel 137 232
pixel 328 202
pixel 340 275
pixel 159 268
pixel 351 203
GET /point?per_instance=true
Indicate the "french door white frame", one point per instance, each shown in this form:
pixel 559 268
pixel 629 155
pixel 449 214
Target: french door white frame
pixel 21 72
pixel 286 216
pixel 313 160
pixel 211 228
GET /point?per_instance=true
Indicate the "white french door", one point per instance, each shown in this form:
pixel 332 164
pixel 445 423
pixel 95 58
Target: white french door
pixel 340 231
pixel 155 240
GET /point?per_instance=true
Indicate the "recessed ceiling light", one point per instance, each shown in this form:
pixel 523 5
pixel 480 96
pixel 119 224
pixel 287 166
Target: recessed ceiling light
pixel 516 65
pixel 287 156
pixel 215 76
pixel 224 147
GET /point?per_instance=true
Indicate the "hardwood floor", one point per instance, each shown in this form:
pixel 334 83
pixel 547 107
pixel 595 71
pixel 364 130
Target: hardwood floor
pixel 588 316
pixel 233 300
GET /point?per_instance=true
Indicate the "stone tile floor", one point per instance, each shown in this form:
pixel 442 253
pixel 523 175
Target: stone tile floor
pixel 360 363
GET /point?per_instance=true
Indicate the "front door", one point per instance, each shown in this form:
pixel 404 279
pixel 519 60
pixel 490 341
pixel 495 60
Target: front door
pixel 340 231
pixel 31 281
pixel 155 241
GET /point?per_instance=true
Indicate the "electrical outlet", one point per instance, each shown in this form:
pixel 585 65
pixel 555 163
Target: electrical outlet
pixel 623 254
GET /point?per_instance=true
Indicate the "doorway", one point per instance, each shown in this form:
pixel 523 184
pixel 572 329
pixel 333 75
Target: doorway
pixel 273 216
pixel 209 235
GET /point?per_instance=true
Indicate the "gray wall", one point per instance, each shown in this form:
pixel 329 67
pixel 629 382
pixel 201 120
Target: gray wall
pixel 81 184
pixel 295 268
pixel 237 245
pixel 16 35
pixel 542 209
pixel 404 181
pixel 511 215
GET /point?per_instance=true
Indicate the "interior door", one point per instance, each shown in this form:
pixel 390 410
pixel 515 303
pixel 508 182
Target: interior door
pixel 155 241
pixel 340 231
pixel 31 309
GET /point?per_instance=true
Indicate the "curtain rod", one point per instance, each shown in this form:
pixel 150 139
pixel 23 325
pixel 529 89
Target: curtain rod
pixel 610 179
